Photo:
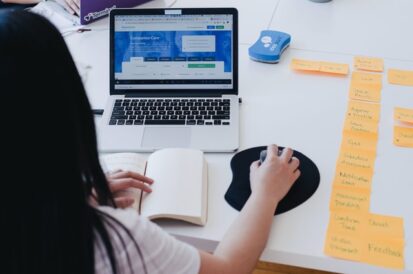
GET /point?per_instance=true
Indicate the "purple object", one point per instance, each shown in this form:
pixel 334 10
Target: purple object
pixel 92 10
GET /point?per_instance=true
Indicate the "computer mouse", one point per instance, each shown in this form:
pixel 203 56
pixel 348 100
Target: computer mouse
pixel 263 154
pixel 269 46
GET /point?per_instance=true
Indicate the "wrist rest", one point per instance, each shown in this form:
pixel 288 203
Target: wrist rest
pixel 239 189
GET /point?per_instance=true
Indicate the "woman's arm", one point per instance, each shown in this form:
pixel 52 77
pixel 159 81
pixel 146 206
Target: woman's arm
pixel 245 240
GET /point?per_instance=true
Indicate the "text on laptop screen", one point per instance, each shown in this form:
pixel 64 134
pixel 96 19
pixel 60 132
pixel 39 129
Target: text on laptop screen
pixel 173 51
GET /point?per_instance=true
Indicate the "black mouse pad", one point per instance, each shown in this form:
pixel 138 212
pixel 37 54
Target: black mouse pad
pixel 239 190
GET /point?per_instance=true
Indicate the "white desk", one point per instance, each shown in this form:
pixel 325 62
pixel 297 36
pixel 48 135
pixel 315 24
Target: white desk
pixel 305 112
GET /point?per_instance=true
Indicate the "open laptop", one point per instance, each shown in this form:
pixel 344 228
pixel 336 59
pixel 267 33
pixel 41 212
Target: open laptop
pixel 173 80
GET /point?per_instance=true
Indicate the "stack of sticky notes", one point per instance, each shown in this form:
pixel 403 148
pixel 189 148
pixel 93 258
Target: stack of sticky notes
pixel 319 66
pixel 353 232
pixel 403 135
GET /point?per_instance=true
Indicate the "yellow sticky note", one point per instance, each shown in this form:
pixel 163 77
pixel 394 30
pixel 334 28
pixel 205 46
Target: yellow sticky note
pixel 357 200
pixel 403 136
pixel 363 110
pixel 384 252
pixel 400 77
pixel 353 177
pixel 370 93
pixel 343 246
pixel 335 68
pixel 358 141
pixel 348 223
pixel 357 158
pixel 403 115
pixel 366 78
pixel 368 63
pixel 385 226
pixel 307 65
pixel 360 126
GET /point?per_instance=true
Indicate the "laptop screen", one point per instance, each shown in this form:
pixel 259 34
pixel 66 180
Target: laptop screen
pixel 173 51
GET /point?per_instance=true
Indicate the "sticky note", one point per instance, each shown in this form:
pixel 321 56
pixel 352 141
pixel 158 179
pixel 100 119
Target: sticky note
pixel 385 226
pixel 400 77
pixel 319 66
pixel 366 78
pixel 353 177
pixel 350 199
pixel 403 136
pixel 370 93
pixel 384 252
pixel 368 63
pixel 363 110
pixel 348 223
pixel 307 65
pixel 354 158
pixel 343 246
pixel 335 68
pixel 403 114
pixel 358 141
pixel 360 126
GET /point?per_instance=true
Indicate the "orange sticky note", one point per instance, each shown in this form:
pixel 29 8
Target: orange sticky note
pixel 348 223
pixel 357 200
pixel 384 252
pixel 360 126
pixel 363 110
pixel 307 65
pixel 366 78
pixel 403 114
pixel 368 63
pixel 343 246
pixel 358 141
pixel 335 68
pixel 370 93
pixel 400 77
pixel 354 158
pixel 385 226
pixel 403 136
pixel 353 177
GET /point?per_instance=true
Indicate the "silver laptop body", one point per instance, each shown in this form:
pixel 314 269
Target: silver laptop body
pixel 173 80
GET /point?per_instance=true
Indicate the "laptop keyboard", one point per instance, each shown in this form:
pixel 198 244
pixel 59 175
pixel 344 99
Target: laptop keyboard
pixel 200 112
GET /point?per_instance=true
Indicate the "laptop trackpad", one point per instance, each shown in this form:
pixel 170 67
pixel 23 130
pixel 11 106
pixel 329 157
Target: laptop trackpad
pixel 160 137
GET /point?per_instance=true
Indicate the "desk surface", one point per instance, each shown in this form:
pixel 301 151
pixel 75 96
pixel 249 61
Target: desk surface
pixel 301 111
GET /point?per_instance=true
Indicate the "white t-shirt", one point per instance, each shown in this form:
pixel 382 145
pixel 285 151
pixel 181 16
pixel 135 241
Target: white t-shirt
pixel 161 252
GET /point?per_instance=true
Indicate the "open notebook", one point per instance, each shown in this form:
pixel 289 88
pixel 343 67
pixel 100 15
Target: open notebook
pixel 180 186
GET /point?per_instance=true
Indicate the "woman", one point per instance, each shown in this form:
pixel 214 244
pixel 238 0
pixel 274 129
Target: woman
pixel 58 214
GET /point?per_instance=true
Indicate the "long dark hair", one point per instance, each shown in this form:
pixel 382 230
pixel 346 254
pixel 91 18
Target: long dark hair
pixel 49 145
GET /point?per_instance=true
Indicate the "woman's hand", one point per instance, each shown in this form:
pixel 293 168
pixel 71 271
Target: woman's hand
pixel 73 6
pixel 275 176
pixel 120 182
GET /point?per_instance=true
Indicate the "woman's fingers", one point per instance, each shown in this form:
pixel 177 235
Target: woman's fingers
pixel 130 174
pixel 125 183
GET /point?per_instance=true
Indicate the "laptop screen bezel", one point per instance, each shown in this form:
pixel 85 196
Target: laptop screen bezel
pixel 171 91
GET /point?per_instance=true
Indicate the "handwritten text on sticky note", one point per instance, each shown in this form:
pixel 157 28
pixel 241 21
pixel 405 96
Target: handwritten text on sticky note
pixel 353 177
pixel 403 136
pixel 343 246
pixel 364 111
pixel 400 77
pixel 370 93
pixel 384 252
pixel 403 115
pixel 349 199
pixel 368 63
